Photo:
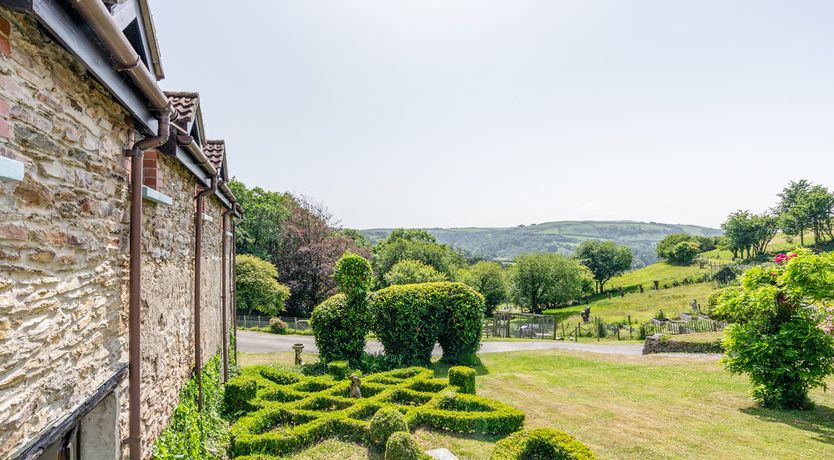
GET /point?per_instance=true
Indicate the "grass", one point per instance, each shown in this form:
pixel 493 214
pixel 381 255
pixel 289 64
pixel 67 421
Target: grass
pixel 652 407
pixel 641 307
pixel 661 272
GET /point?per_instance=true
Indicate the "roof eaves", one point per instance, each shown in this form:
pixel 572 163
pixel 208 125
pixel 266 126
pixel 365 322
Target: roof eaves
pixel 150 31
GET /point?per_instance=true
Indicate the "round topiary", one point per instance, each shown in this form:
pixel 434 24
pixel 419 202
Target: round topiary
pixel 401 446
pixel 384 423
pixel 541 443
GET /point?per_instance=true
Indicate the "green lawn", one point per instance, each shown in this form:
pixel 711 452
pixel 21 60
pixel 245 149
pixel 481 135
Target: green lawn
pixel 641 307
pixel 652 407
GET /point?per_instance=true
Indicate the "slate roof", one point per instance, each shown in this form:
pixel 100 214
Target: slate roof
pixel 185 105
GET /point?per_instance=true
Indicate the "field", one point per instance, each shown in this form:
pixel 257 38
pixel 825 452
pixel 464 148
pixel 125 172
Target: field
pixel 661 272
pixel 654 407
pixel 641 307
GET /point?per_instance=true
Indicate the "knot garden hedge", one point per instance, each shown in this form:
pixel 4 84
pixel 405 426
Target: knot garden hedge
pixel 284 412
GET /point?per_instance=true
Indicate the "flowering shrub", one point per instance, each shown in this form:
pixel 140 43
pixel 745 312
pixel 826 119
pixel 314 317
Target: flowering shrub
pixel 782 258
pixel 777 336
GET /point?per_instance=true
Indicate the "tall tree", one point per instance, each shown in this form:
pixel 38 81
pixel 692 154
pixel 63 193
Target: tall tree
pixel 489 279
pixel 310 247
pixel 266 212
pixel 540 280
pixel 794 215
pixel 747 235
pixel 419 245
pixel 299 237
pixel 820 203
pixel 605 259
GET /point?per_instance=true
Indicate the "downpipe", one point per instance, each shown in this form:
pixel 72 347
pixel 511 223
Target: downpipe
pixel 136 154
pixel 198 255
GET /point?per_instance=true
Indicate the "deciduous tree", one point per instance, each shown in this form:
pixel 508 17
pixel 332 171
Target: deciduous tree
pixel 410 271
pixel 540 280
pixel 489 279
pixel 605 259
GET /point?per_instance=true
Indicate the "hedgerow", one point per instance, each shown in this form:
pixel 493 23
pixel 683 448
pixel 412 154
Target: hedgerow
pixel 191 433
pixel 541 443
pixel 409 319
pixel 290 416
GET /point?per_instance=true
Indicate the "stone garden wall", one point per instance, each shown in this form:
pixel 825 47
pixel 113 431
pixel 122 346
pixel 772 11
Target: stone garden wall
pixel 659 343
pixel 64 249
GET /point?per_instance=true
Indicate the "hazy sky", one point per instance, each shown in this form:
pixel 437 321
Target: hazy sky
pixel 497 113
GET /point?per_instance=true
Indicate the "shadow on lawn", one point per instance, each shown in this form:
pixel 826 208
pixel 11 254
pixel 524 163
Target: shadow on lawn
pixel 819 420
pixel 441 368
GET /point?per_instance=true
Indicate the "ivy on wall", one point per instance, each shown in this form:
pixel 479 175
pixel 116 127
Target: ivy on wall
pixel 191 434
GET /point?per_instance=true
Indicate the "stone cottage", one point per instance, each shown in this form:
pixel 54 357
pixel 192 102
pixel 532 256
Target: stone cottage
pixel 116 233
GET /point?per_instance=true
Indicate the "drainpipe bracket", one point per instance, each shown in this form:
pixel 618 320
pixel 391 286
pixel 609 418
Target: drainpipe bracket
pixel 132 441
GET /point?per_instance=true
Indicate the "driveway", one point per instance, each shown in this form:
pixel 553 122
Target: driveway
pixel 262 342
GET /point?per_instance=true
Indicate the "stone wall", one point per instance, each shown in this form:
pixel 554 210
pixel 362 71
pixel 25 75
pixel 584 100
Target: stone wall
pixel 659 343
pixel 64 250
pixel 62 235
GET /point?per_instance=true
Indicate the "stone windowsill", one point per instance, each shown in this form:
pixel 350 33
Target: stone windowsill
pixel 11 170
pixel 155 196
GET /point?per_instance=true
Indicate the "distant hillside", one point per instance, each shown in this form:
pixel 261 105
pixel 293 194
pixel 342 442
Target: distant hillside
pixel 563 237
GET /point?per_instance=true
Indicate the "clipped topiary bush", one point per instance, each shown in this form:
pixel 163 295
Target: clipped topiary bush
pixel 401 446
pixel 463 378
pixel 340 322
pixel 386 422
pixel 409 319
pixel 542 443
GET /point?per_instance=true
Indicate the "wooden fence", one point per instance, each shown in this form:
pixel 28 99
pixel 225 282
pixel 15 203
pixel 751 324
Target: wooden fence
pixel 527 325
pixel 293 322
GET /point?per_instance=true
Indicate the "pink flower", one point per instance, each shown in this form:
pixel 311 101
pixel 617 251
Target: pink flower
pixel 782 258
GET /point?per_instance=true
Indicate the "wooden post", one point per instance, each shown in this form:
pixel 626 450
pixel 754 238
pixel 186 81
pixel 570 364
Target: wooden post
pixel 563 331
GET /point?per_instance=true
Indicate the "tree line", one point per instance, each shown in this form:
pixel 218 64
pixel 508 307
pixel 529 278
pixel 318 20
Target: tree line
pixel 289 246
pixel 804 208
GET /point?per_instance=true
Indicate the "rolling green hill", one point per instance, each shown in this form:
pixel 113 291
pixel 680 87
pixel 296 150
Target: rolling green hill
pixel 563 236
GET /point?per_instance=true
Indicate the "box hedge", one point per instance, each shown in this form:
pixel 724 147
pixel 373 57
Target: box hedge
pixel 463 378
pixel 290 416
pixel 387 421
pixel 409 319
pixel 541 443
pixel 401 446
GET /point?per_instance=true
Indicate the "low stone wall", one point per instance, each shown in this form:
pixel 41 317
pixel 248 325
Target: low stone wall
pixel 678 344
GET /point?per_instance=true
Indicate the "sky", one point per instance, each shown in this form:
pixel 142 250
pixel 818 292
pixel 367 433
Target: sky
pixel 458 113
